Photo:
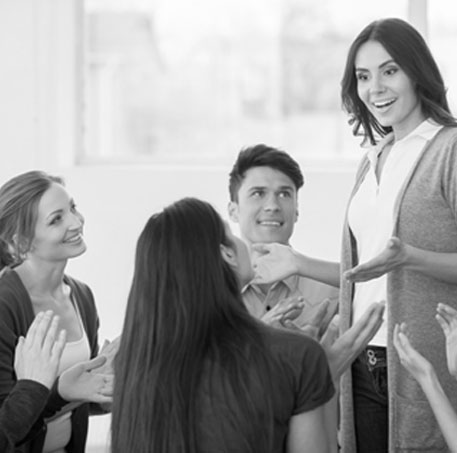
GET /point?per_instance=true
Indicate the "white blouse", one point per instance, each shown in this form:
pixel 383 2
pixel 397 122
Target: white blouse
pixel 372 208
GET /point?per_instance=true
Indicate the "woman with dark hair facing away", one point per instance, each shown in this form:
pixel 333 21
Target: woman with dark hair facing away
pixel 195 372
pixel 40 230
pixel 399 236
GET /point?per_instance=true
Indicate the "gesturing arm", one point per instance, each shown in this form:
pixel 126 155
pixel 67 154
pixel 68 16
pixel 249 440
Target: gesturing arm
pixel 397 254
pixel 274 262
pixel 422 370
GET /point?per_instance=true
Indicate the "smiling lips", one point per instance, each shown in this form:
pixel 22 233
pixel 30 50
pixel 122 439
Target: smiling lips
pixel 270 223
pixel 384 104
pixel 74 239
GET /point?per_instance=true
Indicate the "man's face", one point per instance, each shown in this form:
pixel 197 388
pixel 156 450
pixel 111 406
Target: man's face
pixel 267 206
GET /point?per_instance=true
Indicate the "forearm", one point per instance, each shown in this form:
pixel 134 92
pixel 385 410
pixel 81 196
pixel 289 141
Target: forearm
pixel 20 411
pixel 444 412
pixel 323 271
pixel 331 423
pixel 442 266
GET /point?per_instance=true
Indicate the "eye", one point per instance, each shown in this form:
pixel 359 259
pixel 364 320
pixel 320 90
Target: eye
pixel 257 193
pixel 285 194
pixel 361 76
pixel 55 220
pixel 390 71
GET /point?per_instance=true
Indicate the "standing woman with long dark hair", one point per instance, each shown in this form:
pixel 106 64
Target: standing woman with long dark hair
pixel 405 196
pixel 40 230
pixel 195 372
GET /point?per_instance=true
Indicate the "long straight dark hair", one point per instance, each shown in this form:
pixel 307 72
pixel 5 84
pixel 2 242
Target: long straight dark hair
pixel 410 51
pixel 186 322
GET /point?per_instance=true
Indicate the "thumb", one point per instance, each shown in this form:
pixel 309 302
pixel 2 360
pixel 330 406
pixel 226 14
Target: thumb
pixel 95 363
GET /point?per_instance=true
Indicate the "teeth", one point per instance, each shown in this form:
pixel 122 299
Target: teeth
pixel 270 223
pixel 383 104
pixel 74 239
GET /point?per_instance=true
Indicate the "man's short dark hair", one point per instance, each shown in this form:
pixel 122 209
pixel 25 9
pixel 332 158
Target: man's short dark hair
pixel 263 156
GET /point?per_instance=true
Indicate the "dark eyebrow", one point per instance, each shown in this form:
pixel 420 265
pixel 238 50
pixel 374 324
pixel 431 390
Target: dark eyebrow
pixel 256 188
pixel 382 65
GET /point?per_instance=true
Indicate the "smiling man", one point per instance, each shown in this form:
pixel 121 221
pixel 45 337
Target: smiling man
pixel 264 184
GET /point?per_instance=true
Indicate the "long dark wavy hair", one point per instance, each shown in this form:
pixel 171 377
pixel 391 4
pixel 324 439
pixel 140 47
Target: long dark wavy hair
pixel 410 51
pixel 186 324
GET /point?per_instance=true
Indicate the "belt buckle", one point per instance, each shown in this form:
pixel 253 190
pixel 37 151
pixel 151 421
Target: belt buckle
pixel 371 358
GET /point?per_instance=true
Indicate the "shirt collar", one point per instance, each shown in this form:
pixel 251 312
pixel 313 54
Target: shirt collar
pixel 291 283
pixel 425 130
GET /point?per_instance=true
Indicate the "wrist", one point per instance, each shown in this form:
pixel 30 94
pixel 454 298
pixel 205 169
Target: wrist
pixel 300 263
pixel 410 257
pixel 429 380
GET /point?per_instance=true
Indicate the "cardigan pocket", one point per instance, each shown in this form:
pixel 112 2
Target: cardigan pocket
pixel 415 427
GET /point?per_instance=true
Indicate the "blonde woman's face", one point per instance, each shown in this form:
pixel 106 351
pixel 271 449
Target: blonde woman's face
pixel 59 227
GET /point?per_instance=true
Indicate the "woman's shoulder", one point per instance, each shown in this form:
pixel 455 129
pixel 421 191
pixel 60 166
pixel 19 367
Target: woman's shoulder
pixel 294 345
pixel 16 310
pixel 11 287
pixel 446 136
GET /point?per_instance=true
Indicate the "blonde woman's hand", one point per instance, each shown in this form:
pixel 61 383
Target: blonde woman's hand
pixel 83 383
pixel 37 356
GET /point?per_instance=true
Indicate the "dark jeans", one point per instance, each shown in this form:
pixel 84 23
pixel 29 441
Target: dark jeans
pixel 369 387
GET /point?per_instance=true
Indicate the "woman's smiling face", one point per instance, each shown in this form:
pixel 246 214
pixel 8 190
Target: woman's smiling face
pixel 386 90
pixel 59 227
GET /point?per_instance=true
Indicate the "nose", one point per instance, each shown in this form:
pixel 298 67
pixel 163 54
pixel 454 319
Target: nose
pixel 77 220
pixel 271 203
pixel 376 85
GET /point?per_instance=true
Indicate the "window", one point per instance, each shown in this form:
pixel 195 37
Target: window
pixel 177 81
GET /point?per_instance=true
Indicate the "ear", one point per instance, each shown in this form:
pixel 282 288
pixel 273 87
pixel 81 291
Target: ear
pixel 233 211
pixel 229 256
pixel 296 214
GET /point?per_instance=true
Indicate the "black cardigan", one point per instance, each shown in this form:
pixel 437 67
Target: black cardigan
pixel 16 315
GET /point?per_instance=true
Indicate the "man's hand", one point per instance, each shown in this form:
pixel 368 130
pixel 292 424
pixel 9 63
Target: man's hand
pixel 394 255
pixel 272 262
pixel 341 351
pixel 447 318
pixel 285 310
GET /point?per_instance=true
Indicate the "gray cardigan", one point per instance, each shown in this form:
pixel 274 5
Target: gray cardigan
pixel 425 217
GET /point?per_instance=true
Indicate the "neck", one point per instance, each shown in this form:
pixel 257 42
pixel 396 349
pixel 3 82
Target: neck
pixel 41 278
pixel 402 130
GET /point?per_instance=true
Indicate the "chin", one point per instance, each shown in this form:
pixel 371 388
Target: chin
pixel 78 252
